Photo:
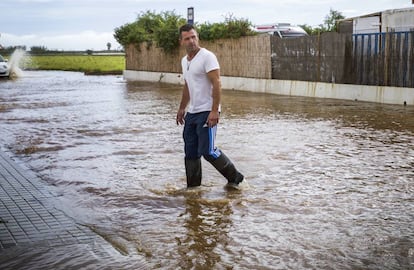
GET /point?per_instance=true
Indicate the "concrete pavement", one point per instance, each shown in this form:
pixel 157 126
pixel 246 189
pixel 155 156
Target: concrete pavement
pixel 27 214
pixel 30 222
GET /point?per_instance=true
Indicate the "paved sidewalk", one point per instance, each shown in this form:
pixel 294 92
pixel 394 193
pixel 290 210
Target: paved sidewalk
pixel 30 223
pixel 27 214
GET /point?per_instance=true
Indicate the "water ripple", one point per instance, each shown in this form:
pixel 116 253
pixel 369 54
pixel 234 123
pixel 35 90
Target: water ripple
pixel 331 181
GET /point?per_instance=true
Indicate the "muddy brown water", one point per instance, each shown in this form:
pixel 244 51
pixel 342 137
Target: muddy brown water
pixel 331 181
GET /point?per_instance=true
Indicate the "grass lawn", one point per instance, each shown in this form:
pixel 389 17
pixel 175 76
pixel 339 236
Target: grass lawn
pixel 90 64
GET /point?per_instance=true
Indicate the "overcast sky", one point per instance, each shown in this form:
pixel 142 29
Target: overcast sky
pixel 89 24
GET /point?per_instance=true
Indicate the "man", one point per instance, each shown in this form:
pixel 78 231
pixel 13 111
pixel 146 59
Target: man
pixel 202 94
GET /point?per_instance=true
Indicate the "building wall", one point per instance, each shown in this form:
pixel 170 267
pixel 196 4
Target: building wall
pixel 365 25
pixel 393 20
pixel 398 20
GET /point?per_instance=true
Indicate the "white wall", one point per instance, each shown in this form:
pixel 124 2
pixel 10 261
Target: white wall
pixel 379 94
pixel 366 25
pixel 385 21
pixel 399 20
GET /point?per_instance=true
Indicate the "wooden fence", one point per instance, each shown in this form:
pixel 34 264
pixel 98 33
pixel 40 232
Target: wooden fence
pixel 384 59
pixel 323 58
pixel 370 59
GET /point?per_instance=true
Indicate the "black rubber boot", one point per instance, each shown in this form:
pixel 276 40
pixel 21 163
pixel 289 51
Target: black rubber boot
pixel 193 172
pixel 224 165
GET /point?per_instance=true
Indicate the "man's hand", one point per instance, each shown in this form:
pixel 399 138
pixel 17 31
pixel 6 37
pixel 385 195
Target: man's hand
pixel 180 116
pixel 213 118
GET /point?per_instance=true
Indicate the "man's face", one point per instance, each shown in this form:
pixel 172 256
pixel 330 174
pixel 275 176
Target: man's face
pixel 189 40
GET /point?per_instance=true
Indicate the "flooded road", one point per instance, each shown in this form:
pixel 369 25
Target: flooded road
pixel 331 181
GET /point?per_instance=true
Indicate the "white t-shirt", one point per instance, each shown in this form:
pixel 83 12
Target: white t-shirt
pixel 195 74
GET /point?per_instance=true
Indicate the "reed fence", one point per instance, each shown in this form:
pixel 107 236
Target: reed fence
pixel 244 57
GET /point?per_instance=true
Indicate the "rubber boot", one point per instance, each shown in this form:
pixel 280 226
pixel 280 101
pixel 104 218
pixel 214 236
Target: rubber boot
pixel 224 165
pixel 193 172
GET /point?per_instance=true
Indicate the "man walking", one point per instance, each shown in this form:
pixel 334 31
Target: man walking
pixel 202 94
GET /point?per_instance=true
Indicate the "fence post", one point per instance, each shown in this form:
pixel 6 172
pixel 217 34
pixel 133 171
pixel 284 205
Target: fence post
pixel 386 57
pixel 318 70
pixel 405 56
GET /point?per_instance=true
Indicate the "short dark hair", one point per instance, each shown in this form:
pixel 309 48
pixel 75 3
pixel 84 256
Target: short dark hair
pixel 186 27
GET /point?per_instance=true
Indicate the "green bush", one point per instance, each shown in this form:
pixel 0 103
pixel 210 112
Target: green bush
pixel 163 30
pixel 230 28
pixel 167 34
pixel 149 27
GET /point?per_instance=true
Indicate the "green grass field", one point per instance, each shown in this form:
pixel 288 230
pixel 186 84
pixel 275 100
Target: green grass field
pixel 92 64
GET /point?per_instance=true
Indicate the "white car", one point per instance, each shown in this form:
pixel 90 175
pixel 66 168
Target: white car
pixel 4 67
pixel 282 30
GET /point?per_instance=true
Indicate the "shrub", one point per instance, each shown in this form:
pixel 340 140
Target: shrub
pixel 163 30
pixel 167 34
pixel 149 27
pixel 230 28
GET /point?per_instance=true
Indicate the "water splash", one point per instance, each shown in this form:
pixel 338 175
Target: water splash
pixel 14 62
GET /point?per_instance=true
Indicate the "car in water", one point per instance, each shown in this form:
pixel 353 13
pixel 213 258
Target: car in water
pixel 282 30
pixel 4 67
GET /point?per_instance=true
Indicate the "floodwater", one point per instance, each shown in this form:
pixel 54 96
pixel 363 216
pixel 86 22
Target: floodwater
pixel 331 181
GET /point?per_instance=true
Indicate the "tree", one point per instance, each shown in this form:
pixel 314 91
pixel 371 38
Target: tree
pixel 108 45
pixel 329 23
pixel 38 49
pixel 331 20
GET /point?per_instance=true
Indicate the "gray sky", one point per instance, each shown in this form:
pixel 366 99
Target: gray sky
pixel 89 24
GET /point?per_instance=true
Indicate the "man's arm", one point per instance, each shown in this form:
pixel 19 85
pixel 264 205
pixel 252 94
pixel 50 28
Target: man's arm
pixel 213 117
pixel 185 98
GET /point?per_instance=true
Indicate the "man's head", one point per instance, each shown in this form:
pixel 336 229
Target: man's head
pixel 186 28
pixel 189 38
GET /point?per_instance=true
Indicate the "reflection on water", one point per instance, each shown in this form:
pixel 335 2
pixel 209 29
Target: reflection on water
pixel 207 223
pixel 332 181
